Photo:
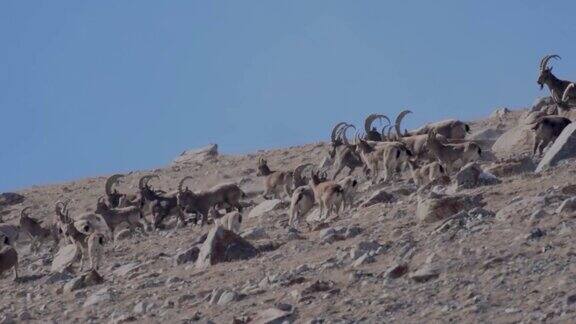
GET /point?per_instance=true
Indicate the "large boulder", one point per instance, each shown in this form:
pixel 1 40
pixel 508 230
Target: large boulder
pixel 516 141
pixel 542 103
pixel 564 147
pixel 198 155
pixel 85 280
pixel 435 207
pixel 223 245
pixel 379 197
pixel 471 175
pixel 65 257
pixel 10 198
pixel 265 207
pixel 510 167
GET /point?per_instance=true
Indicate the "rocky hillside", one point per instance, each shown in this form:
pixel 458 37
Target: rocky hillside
pixel 496 245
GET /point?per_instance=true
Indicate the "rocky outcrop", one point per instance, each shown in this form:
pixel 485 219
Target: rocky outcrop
pixel 65 257
pixel 516 141
pixel 436 207
pixel 223 245
pixel 564 147
pixel 198 155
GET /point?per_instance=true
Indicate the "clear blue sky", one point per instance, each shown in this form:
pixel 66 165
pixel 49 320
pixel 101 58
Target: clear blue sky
pixel 95 87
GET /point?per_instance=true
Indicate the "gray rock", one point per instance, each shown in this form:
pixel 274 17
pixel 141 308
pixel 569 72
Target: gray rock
pixel 223 245
pixel 56 277
pixel 254 233
pixel 126 269
pixel 265 207
pixel 273 316
pixel 379 197
pixel 567 207
pixel 564 147
pixel 396 271
pixel 101 296
pixel 10 198
pixel 516 141
pixel 141 307
pixel 425 274
pixel 471 176
pixel 364 259
pixel 227 297
pixel 438 207
pixel 190 255
pixel 198 155
pixel 123 235
pixel 87 279
pixel 65 257
pixel 542 103
pixel 511 167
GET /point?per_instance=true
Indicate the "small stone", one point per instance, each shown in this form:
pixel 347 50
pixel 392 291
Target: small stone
pixel 396 271
pixel 141 307
pixel 190 255
pixel 227 297
pixel 425 274
pixel 365 258
pixel 98 297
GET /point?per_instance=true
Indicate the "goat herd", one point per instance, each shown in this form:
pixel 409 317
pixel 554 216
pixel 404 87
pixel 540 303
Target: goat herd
pixel 432 153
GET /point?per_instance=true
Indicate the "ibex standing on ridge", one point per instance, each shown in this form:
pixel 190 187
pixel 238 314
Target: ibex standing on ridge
pixel 563 95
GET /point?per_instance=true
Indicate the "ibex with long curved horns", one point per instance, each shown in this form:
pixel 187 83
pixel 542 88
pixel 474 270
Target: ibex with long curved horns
pixel 563 95
pixel 345 155
pixel 160 204
pixel 372 133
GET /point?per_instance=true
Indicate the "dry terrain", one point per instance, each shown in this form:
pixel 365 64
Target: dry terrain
pixel 508 258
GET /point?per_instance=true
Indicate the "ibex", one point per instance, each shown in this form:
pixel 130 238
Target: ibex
pixel 115 198
pixel 450 154
pixel 95 248
pixel 546 130
pixel 115 216
pixel 372 133
pixel 388 155
pixel 8 256
pixel 35 231
pixel 227 194
pixel 345 155
pixel 275 181
pixel 563 96
pixel 160 204
pixel 451 129
pixel 417 141
pixel 301 202
pixel 328 194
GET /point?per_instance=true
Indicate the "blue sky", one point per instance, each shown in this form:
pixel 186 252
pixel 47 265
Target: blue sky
pixel 96 87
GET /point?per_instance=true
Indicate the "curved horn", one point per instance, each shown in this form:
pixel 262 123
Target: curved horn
pixel 336 130
pixel 144 180
pixel 399 120
pixel 371 118
pixel 299 169
pixel 343 133
pixel 101 198
pixel 150 178
pixel 383 132
pixel 546 59
pixel 565 96
pixel 59 206
pixel 113 179
pixel 24 211
pixel 181 183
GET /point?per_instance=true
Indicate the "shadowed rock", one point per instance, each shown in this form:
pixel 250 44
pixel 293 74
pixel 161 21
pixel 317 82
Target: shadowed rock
pixel 223 245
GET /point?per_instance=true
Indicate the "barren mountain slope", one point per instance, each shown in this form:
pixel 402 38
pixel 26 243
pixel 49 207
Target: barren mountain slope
pixel 499 262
